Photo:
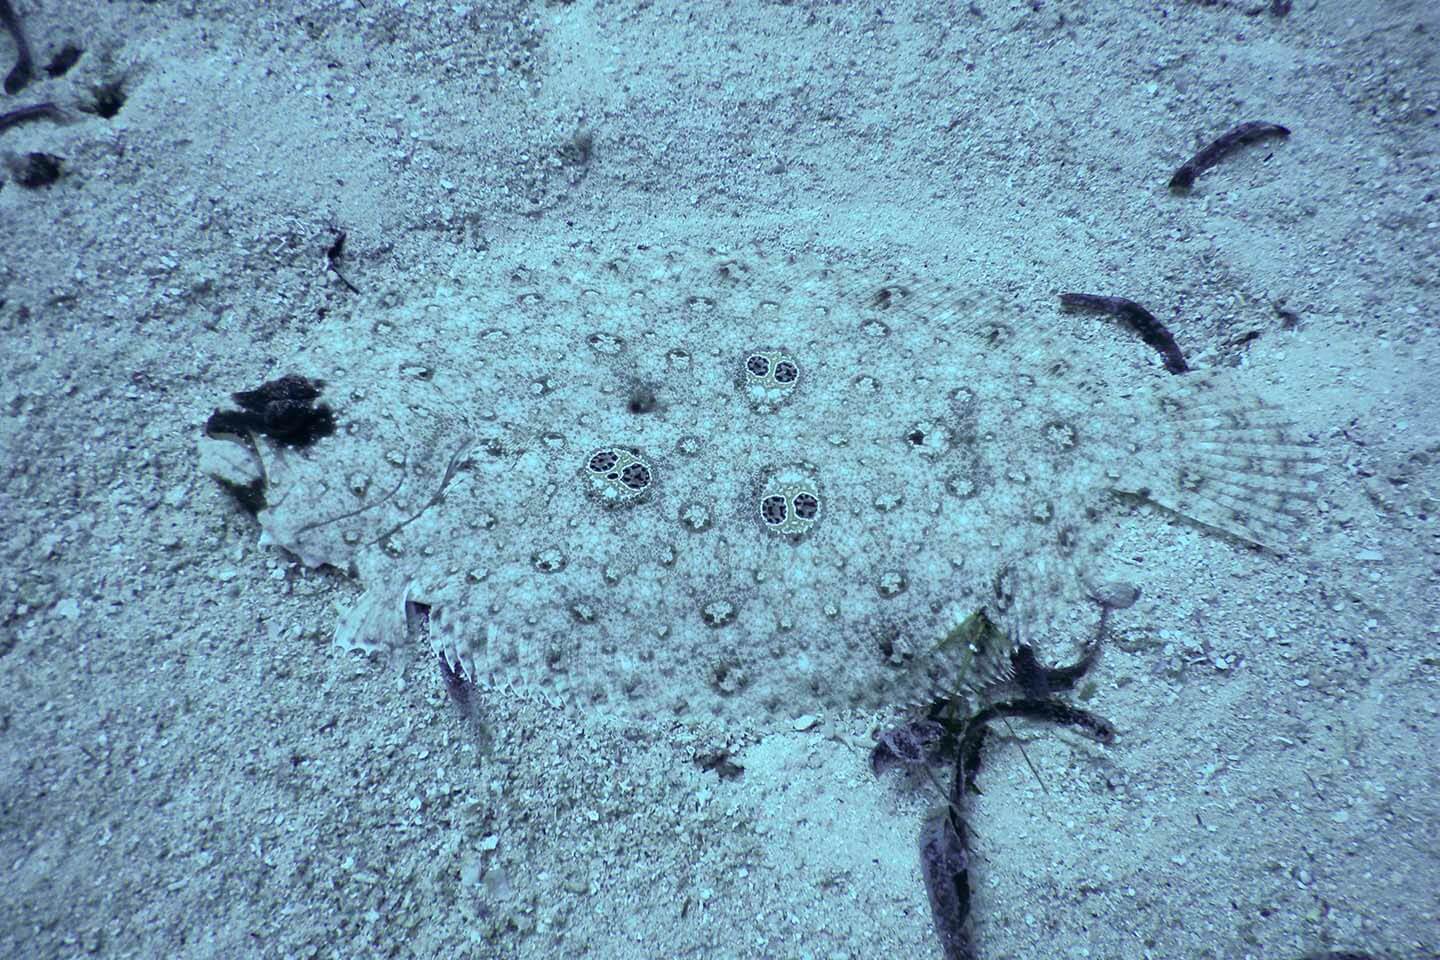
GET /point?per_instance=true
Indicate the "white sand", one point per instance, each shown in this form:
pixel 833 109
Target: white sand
pixel 187 770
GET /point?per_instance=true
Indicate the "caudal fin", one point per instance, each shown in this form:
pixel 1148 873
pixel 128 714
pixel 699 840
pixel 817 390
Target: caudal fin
pixel 1226 461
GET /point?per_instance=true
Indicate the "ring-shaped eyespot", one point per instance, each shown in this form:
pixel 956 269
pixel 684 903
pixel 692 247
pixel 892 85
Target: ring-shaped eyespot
pixel 636 476
pixel 773 510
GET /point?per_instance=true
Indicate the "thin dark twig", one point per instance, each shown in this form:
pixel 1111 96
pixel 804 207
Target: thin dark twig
pixel 457 459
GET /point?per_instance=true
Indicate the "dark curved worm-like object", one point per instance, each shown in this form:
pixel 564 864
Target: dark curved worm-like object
pixel 1223 145
pixel 24 68
pixel 1139 319
pixel 35 111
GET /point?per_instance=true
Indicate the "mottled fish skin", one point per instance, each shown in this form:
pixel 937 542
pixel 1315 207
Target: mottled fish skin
pixel 684 482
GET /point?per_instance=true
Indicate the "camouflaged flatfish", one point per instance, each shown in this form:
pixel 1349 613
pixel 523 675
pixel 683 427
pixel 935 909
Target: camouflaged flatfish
pixel 685 482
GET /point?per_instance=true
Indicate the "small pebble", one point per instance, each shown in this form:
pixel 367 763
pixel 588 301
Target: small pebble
pixel 1118 595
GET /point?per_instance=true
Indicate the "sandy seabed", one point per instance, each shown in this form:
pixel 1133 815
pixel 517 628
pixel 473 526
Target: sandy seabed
pixel 188 767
